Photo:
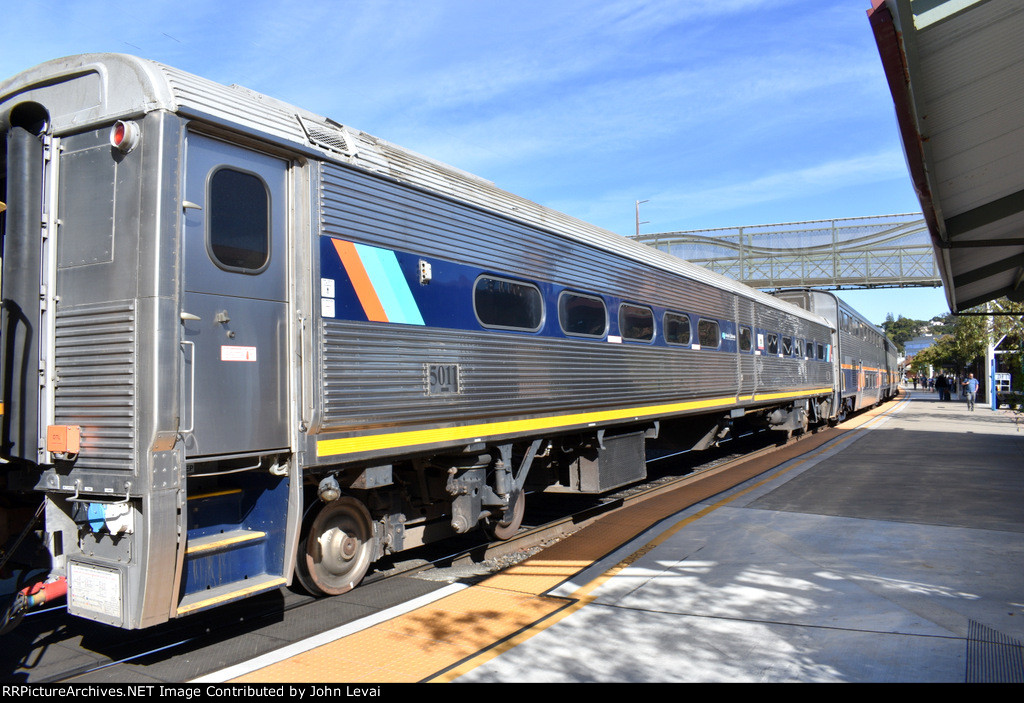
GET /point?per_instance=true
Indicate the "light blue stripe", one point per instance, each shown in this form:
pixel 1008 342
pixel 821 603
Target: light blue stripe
pixel 389 282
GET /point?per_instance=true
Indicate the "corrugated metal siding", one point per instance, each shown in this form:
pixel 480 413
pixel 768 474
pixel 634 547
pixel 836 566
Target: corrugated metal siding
pixel 374 376
pixel 375 211
pixel 95 367
pixel 780 374
pixel 236 104
pixel 408 167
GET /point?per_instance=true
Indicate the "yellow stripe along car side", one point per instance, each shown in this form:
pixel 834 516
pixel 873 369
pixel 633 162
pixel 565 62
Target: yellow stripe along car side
pixel 413 438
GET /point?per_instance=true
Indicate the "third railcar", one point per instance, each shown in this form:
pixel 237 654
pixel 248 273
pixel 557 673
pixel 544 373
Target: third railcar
pixel 249 342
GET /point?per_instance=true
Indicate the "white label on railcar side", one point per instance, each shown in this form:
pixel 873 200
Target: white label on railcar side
pixel 327 287
pixel 228 353
pixel 615 339
pixel 326 307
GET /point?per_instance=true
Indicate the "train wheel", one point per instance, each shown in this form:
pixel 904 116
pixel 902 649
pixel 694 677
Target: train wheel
pixel 337 548
pixel 506 530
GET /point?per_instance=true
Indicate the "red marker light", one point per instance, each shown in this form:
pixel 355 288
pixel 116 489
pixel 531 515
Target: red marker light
pixel 124 136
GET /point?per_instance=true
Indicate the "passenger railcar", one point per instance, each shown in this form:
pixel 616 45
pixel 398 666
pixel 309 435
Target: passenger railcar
pixel 866 363
pixel 243 342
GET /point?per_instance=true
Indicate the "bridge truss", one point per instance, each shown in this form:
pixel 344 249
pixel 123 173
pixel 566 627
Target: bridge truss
pixel 886 251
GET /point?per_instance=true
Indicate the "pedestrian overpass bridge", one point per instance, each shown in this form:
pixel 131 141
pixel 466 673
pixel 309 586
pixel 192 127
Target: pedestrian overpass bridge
pixel 885 251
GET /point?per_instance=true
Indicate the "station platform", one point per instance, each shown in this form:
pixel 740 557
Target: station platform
pixel 892 551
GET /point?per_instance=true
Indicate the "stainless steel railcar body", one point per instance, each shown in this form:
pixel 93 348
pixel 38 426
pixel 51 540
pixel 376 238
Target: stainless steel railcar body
pixel 247 341
pixel 866 363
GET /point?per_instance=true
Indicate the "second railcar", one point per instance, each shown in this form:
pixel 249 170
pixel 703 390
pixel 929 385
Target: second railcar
pixel 866 363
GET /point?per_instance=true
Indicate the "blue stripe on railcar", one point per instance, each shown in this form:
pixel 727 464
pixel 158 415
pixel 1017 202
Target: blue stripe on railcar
pixel 446 300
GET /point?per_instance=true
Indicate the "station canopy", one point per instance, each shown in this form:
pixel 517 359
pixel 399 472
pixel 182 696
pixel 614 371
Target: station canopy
pixel 956 72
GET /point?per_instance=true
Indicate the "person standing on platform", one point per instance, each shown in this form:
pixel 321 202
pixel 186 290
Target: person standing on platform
pixel 971 386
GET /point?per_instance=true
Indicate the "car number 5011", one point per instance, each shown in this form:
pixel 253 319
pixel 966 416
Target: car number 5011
pixel 442 379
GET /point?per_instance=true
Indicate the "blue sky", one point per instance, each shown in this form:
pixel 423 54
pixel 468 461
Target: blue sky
pixel 719 113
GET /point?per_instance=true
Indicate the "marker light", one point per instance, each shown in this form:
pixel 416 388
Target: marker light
pixel 124 136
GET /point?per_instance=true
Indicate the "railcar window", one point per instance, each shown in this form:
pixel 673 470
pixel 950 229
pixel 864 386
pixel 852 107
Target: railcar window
pixel 636 323
pixel 798 348
pixel 510 305
pixel 582 315
pixel 239 220
pixel 787 346
pixel 773 343
pixel 821 351
pixel 677 328
pixel 708 334
pixel 745 340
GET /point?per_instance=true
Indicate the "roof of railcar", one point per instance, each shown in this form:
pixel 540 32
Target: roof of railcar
pixel 118 86
pixel 840 303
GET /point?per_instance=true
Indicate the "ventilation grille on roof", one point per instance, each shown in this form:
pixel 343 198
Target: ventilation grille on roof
pixel 327 136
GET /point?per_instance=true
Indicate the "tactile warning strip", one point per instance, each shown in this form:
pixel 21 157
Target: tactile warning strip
pixel 993 657
pixel 438 641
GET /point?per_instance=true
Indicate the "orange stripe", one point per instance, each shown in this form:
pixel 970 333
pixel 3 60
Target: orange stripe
pixel 360 281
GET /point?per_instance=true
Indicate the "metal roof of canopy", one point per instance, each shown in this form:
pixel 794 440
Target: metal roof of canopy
pixel 956 72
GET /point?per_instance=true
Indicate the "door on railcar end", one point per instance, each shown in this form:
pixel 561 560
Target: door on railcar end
pixel 234 304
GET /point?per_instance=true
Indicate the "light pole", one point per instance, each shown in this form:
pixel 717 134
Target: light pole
pixel 638 222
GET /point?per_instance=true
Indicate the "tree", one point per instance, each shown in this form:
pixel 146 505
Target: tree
pixel 901 330
pixel 943 324
pixel 967 336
